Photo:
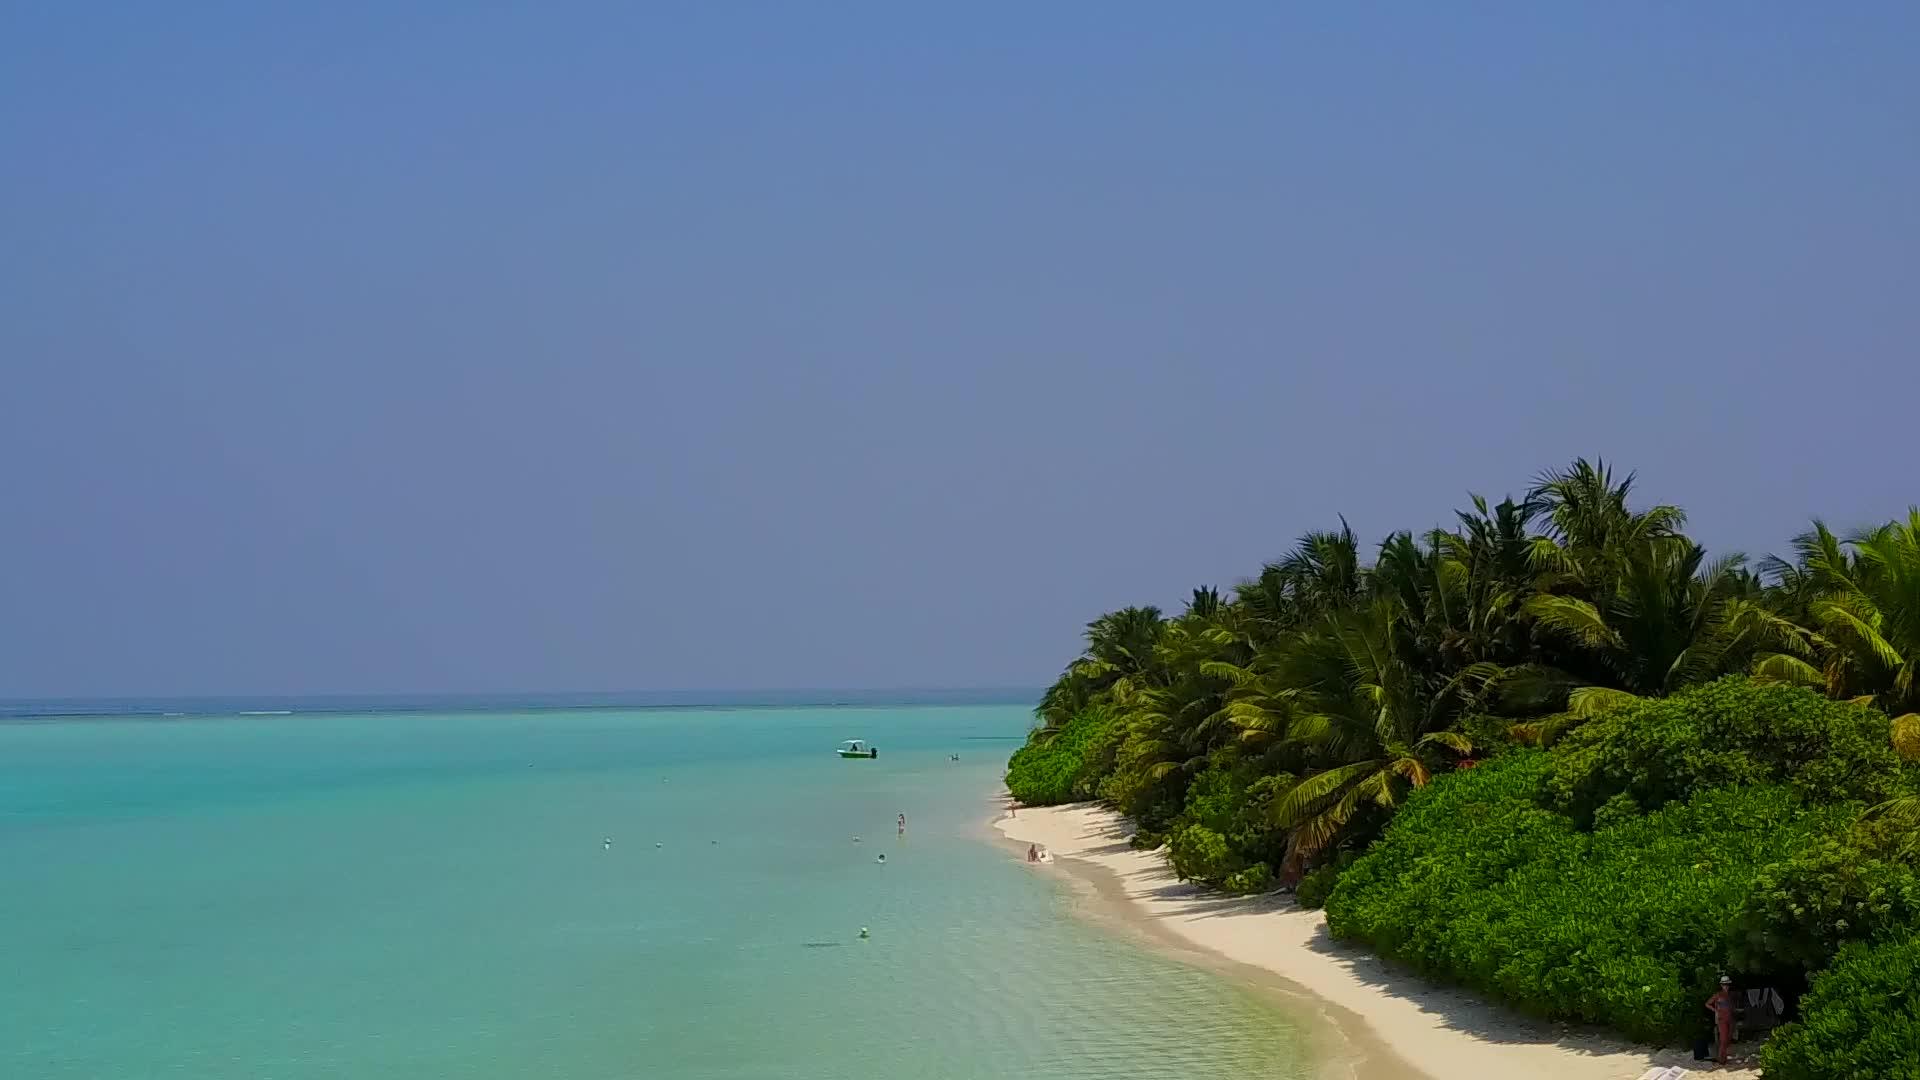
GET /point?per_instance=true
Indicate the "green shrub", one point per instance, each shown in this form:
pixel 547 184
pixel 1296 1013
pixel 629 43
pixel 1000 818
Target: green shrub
pixel 1234 798
pixel 1137 787
pixel 1214 799
pixel 1316 886
pixel 1097 756
pixel 1464 832
pixel 1224 835
pixel 1049 768
pixel 1733 731
pixel 1491 734
pixel 1861 1020
pixel 1801 911
pixel 1257 878
pixel 1200 854
pixel 1624 926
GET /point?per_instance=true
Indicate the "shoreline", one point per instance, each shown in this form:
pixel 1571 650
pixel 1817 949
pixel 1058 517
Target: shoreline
pixel 1389 1024
pixel 1344 1046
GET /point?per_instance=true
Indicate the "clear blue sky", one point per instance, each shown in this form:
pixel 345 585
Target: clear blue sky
pixel 414 347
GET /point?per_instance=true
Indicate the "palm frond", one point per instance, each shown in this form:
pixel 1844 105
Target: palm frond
pixel 1547 730
pixel 1314 793
pixel 1590 701
pixel 1781 668
pixel 1452 740
pixel 1573 617
pixel 1839 616
pixel 1315 833
pixel 1412 769
pixel 1535 687
pixel 1905 730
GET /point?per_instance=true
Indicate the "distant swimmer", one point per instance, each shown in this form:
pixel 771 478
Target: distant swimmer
pixel 864 934
pixel 903 824
pixel 607 843
pixel 882 857
pixel 856 839
pixel 657 843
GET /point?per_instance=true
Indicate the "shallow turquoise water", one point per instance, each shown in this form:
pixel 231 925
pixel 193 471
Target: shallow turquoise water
pixel 412 895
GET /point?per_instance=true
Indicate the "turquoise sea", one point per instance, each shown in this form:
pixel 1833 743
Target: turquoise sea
pixel 432 894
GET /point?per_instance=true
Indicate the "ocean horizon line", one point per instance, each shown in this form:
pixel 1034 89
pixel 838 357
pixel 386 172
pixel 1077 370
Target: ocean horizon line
pixel 182 706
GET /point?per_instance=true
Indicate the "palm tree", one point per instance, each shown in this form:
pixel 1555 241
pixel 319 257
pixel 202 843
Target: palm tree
pixel 1626 606
pixel 1321 574
pixel 1206 603
pixel 1122 642
pixel 1590 528
pixel 1325 689
pixel 1073 691
pixel 1860 603
pixel 1671 620
pixel 1460 592
pixel 1494 549
pixel 1364 716
pixel 1119 652
pixel 1173 717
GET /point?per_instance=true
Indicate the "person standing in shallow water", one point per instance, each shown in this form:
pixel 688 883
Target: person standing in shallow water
pixel 1033 853
pixel 1721 1006
pixel 903 824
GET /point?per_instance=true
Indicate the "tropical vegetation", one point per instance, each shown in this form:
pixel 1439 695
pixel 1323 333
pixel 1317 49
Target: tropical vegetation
pixel 1555 751
pixel 1862 1019
pixel 1612 878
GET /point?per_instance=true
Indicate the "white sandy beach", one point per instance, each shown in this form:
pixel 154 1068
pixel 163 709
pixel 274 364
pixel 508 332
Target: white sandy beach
pixel 1442 1033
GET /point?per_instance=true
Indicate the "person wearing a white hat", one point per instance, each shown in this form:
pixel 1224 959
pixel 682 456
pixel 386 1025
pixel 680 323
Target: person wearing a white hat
pixel 1721 1006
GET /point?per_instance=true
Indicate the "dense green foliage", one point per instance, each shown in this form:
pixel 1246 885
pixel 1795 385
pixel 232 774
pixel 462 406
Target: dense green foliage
pixel 1625 923
pixel 1801 911
pixel 1613 878
pixel 1860 1022
pixel 1316 886
pixel 1347 684
pixel 1225 834
pixel 1619 819
pixel 1050 771
pixel 1648 753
